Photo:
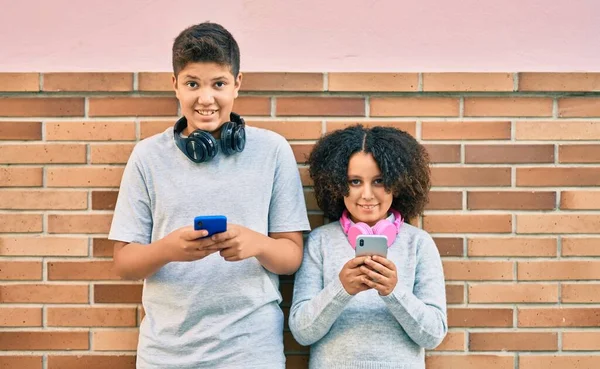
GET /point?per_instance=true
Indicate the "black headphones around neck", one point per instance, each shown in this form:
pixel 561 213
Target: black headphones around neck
pixel 201 146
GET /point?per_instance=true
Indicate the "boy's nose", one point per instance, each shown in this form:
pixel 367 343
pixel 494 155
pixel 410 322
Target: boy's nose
pixel 205 97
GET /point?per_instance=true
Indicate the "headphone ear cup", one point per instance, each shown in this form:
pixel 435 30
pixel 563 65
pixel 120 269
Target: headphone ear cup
pixel 201 146
pixel 386 228
pixel 227 138
pixel 239 138
pixel 356 230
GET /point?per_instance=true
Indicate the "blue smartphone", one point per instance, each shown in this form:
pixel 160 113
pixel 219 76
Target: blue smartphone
pixel 212 223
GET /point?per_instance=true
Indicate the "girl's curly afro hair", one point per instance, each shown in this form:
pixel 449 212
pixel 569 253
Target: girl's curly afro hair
pixel 404 165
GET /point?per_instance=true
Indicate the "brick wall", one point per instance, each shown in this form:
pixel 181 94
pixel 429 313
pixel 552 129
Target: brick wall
pixel 514 208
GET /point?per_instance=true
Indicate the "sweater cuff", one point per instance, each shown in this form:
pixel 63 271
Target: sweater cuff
pixel 398 296
pixel 338 292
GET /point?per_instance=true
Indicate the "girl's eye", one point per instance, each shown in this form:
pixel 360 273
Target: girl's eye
pixel 354 182
pixel 378 181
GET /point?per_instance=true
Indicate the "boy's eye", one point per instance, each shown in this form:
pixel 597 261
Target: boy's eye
pixel 192 84
pixel 220 84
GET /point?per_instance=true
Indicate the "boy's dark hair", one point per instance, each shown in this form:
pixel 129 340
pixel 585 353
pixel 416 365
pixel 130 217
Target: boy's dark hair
pixel 206 42
pixel 404 165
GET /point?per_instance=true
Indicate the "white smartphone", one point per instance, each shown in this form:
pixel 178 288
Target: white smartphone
pixel 367 244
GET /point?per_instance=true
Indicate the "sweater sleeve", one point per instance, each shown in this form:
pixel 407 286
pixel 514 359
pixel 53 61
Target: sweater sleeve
pixel 422 312
pixel 315 307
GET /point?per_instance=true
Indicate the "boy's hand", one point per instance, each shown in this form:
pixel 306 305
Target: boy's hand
pixel 381 274
pixel 352 277
pixel 236 243
pixel 186 244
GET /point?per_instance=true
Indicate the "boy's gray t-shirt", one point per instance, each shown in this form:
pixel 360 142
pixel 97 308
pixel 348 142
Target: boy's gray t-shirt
pixel 210 313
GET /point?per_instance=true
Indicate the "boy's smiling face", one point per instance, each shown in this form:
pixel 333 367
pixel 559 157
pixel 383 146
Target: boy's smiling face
pixel 206 92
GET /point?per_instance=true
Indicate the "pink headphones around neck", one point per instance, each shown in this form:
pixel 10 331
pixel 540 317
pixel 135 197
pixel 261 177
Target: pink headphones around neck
pixel 383 227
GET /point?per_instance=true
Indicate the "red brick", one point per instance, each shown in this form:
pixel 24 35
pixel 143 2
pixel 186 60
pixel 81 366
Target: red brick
pixel 43 246
pixel 132 106
pixel 556 177
pixel 20 223
pixel 468 223
pixel 44 293
pixel 104 200
pixel 79 223
pixel 38 200
pixel 20 317
pixel 474 270
pixel 513 293
pixel 282 82
pixel 581 341
pixel 84 176
pixel 414 107
pixel 558 223
pixel 148 81
pixel 42 153
pixel 320 106
pixel 20 270
pixel 558 317
pixel 443 153
pixel 455 294
pixel 151 128
pixel 118 293
pixel 469 362
pixel 467 130
pixel 252 105
pixel 110 153
pixel 558 362
pixel 466 82
pixel 580 246
pixel 90 131
pixel 408 127
pixel 580 293
pixel 509 154
pixel 91 82
pixel 20 131
pixel 19 82
pixel 467 177
pixel 44 340
pixel 373 82
pixel 484 317
pixel 517 247
pixel 509 200
pixel 292 130
pixel 449 246
pixel 20 176
pixel 41 107
pixel 561 270
pixel 21 362
pixel 579 154
pixel 445 200
pixel 311 200
pixel 91 317
pixel 557 130
pixel 580 200
pixel 115 340
pixel 91 362
pixel 547 82
pixel 572 107
pixel 81 270
pixel 301 152
pixel 513 341
pixel 102 247
pixel 508 107
pixel 454 341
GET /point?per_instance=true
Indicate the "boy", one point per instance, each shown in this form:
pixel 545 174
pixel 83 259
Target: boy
pixel 210 302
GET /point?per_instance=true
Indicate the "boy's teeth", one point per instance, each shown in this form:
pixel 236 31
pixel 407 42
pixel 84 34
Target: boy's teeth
pixel 206 112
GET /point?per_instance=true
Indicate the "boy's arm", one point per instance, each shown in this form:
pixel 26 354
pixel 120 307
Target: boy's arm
pixel 282 253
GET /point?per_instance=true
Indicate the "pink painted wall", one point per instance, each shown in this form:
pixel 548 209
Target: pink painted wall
pixel 307 35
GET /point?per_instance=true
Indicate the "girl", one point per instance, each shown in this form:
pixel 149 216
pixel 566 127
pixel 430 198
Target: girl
pixel 369 311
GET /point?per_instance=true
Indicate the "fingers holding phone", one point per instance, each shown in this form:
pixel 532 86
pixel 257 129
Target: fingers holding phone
pixel 381 274
pixel 351 276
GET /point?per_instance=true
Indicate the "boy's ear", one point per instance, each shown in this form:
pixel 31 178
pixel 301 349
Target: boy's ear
pixel 174 81
pixel 238 83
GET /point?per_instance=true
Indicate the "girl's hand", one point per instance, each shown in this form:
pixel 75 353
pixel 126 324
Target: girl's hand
pixel 351 276
pixel 381 274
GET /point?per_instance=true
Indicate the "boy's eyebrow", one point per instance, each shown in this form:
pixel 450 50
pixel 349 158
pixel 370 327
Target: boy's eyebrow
pixel 220 77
